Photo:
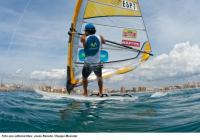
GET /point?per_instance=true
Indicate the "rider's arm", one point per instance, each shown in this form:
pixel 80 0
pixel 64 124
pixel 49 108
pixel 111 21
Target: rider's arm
pixel 83 40
pixel 103 41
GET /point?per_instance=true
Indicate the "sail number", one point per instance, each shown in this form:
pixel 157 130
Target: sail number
pixel 129 5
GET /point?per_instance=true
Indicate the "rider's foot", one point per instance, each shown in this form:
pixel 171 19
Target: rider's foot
pixel 85 94
pixel 100 94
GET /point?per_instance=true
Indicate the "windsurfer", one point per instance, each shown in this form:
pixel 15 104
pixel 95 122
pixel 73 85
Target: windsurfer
pixel 92 44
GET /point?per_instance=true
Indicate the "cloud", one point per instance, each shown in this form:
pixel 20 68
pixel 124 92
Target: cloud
pixel 170 22
pixel 181 65
pixel 182 61
pixel 19 70
pixel 54 74
pixel 8 11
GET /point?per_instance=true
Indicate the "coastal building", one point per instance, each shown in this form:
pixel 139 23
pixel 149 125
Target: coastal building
pixel 142 89
pixel 166 88
pixel 105 90
pixel 63 90
pixel 134 89
pixel 150 89
pixel 2 85
pixel 178 87
pixel 123 89
pixel 128 91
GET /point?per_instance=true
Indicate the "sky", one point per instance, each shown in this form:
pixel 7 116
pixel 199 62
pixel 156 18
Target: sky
pixel 33 41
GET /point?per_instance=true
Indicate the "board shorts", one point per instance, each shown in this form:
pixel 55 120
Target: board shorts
pixel 88 68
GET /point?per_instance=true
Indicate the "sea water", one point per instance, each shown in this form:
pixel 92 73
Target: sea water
pixel 177 111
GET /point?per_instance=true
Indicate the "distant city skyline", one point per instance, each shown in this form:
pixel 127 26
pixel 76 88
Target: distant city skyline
pixel 33 41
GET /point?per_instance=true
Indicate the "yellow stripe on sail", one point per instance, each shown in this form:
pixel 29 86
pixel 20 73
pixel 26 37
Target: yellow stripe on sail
pixel 103 8
pixel 118 72
pixel 147 48
pixel 124 70
pixel 110 74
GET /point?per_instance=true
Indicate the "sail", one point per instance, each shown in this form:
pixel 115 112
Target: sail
pixel 119 21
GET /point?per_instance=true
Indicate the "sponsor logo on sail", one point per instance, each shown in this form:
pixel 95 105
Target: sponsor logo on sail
pixel 129 5
pixel 131 43
pixel 129 33
pixel 104 55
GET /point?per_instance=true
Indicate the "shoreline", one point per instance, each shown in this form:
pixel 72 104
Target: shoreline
pixel 17 89
pixel 121 90
pixel 145 92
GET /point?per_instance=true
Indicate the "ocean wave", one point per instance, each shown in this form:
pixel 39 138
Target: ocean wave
pixel 31 112
pixel 159 94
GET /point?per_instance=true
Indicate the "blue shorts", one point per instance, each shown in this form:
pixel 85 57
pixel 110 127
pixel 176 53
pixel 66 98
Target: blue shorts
pixel 87 70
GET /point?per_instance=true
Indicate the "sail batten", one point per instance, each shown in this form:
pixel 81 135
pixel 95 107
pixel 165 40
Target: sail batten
pixel 112 26
pixel 117 20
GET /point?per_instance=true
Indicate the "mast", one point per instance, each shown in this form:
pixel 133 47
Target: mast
pixel 71 82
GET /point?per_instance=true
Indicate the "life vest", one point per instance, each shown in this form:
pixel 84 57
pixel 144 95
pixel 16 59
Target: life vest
pixel 92 45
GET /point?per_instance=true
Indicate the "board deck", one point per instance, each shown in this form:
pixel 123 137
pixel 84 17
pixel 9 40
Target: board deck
pixel 90 97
